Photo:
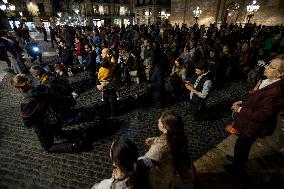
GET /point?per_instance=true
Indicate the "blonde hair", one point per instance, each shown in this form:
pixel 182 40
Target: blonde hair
pixel 21 80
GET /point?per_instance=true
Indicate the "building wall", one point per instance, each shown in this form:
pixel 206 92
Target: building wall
pixel 31 10
pixel 149 12
pixel 271 12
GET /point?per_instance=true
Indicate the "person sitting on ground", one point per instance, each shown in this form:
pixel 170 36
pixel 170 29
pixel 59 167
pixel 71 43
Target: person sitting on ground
pixel 128 172
pixel 36 113
pixel 199 91
pixel 168 156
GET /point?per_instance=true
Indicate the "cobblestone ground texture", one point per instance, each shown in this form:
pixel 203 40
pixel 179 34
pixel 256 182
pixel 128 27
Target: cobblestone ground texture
pixel 25 165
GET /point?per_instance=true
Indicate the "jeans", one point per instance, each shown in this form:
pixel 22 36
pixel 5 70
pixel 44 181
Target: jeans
pixel 241 150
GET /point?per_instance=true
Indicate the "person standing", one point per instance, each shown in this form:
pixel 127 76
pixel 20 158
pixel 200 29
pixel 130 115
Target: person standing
pixel 52 36
pixel 44 33
pixel 110 89
pixel 257 115
pixel 91 65
pixel 66 55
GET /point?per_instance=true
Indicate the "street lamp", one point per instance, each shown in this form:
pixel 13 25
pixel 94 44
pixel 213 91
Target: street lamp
pixel 197 12
pixel 7 6
pixel 251 9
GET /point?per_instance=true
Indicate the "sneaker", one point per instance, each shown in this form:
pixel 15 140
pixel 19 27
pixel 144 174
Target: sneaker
pixel 117 98
pixel 102 99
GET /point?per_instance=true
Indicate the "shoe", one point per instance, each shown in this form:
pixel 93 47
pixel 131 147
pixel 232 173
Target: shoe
pixel 117 98
pixel 102 99
pixel 229 158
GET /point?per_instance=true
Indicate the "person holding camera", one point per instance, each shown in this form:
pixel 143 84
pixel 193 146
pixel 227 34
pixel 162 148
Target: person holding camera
pixel 199 91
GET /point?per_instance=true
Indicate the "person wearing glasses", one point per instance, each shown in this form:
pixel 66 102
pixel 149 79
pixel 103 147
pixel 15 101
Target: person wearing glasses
pixel 257 115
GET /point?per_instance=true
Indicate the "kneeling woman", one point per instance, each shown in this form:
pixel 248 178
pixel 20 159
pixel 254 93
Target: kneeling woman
pixel 36 113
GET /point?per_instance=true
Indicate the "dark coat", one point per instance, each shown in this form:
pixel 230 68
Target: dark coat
pixel 34 106
pixel 258 116
pixel 90 61
pixel 66 57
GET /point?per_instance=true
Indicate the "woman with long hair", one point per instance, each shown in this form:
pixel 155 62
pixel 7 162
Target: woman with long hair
pixel 168 155
pixel 127 171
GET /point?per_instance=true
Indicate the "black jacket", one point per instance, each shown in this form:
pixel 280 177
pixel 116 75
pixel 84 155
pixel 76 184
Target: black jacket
pixel 35 105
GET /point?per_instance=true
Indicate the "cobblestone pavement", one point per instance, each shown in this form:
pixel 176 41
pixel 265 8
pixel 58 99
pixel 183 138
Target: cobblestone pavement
pixel 25 165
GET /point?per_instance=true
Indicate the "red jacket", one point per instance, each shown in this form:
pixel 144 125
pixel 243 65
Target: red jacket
pixel 258 116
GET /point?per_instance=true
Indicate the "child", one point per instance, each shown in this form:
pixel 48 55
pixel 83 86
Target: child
pixel 106 74
pixel 127 171
pixel 168 155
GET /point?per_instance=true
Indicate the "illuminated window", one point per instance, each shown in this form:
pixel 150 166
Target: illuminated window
pixel 122 10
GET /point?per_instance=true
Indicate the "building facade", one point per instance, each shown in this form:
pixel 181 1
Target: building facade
pixel 270 12
pixel 98 12
pixel 34 10
pixel 152 11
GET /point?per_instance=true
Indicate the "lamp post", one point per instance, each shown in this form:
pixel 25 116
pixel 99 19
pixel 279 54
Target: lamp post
pixel 197 12
pixel 6 6
pixel 251 9
pixel 147 13
pixel 8 11
pixel 165 16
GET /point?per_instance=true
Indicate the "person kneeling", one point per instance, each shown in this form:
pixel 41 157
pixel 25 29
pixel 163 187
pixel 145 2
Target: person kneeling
pixel 36 113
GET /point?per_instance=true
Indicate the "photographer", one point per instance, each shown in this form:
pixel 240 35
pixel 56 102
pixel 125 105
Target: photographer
pixel 34 50
pixel 199 91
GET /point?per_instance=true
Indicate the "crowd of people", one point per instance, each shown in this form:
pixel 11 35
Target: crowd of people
pixel 195 60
